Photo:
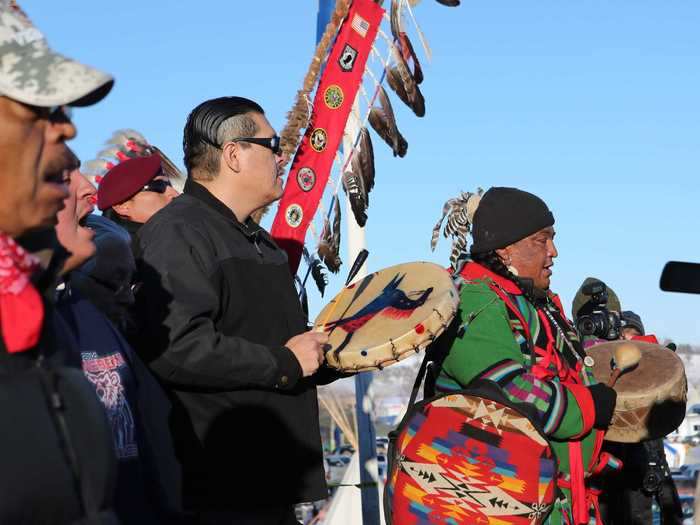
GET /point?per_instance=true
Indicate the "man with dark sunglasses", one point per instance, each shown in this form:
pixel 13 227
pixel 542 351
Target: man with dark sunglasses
pixel 225 332
pixel 133 191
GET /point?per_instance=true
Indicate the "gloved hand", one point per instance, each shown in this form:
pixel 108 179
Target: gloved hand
pixel 604 399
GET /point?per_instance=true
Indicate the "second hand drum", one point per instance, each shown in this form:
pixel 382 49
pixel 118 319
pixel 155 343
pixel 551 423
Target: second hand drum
pixel 387 316
pixel 651 397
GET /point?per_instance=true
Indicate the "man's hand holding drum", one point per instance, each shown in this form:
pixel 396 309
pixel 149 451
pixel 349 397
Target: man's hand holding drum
pixel 308 348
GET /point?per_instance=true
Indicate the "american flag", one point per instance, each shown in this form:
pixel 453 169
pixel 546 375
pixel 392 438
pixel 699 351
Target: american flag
pixel 360 25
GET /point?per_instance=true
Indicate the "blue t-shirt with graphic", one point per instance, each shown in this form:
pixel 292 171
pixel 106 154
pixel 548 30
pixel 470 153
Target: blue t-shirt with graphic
pixel 107 362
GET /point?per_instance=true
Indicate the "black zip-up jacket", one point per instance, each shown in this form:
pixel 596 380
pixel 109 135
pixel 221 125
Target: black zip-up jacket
pixel 218 303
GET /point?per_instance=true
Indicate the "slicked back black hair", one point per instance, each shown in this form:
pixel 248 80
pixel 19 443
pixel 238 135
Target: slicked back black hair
pixel 203 124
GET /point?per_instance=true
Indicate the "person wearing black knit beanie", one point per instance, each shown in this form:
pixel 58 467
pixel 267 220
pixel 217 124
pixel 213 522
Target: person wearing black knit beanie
pixel 507 215
pixel 507 314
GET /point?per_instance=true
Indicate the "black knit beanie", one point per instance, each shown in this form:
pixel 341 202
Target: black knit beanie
pixel 632 320
pixel 505 216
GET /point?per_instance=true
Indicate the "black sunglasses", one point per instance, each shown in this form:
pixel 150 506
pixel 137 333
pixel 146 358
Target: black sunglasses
pixel 53 113
pixel 157 186
pixel 271 143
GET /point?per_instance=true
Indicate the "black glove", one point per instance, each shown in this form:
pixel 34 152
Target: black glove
pixel 604 399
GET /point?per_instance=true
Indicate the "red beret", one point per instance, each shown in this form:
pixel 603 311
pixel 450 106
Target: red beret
pixel 126 179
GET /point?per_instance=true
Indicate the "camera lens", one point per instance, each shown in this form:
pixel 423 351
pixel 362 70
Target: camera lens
pixel 586 326
pixel 651 481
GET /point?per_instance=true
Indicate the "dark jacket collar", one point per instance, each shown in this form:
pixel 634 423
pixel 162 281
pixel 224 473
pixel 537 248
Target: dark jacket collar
pixel 130 226
pixel 250 228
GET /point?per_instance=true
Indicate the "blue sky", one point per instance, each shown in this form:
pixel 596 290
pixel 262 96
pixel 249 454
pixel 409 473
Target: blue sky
pixel 594 106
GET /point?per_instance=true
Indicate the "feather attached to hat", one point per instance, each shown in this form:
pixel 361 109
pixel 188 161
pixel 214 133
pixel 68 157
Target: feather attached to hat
pixel 127 144
pixel 359 180
pixel 460 216
pixel 383 122
pixel 329 247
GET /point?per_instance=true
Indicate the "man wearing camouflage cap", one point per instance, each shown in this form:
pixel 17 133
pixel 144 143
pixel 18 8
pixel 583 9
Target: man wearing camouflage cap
pixel 37 86
pixel 55 449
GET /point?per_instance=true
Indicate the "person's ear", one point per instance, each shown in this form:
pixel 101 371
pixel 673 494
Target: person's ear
pixel 123 208
pixel 230 156
pixel 504 255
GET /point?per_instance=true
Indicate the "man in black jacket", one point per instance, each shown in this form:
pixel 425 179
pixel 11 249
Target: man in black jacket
pixel 224 331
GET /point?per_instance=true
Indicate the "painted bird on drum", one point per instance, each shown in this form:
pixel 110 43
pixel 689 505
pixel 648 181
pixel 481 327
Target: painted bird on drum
pixel 392 302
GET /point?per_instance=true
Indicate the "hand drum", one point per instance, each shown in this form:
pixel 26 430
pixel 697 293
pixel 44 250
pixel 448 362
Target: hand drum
pixel 387 316
pixel 651 397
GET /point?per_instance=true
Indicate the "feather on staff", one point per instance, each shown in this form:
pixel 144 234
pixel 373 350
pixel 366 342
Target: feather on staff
pixel 329 247
pixel 409 53
pixel 359 181
pixel 401 80
pixel 395 18
pixel 317 272
pixel 383 122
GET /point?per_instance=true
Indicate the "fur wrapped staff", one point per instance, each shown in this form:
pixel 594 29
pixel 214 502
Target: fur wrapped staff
pixel 383 122
pixel 460 216
pixel 298 116
pixel 359 180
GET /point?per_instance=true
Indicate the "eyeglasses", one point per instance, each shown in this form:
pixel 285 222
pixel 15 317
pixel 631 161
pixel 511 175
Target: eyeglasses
pixel 53 113
pixel 60 112
pixel 271 143
pixel 157 186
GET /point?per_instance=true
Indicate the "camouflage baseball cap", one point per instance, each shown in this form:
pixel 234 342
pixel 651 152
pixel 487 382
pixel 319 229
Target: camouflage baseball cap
pixel 32 73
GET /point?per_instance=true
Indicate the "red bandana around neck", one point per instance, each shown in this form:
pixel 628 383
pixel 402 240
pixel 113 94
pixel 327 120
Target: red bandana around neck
pixel 21 308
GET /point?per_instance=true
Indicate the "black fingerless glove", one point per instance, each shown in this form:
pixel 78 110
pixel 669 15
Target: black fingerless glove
pixel 604 399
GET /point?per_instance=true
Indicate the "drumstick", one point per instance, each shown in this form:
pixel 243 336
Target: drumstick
pixel 626 357
pixel 359 261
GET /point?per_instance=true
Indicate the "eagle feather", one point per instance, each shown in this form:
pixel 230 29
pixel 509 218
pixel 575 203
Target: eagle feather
pixel 317 272
pixel 383 121
pixel 359 180
pixel 329 246
pixel 460 216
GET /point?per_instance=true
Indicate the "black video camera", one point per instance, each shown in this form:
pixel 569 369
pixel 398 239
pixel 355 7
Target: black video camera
pixel 594 318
